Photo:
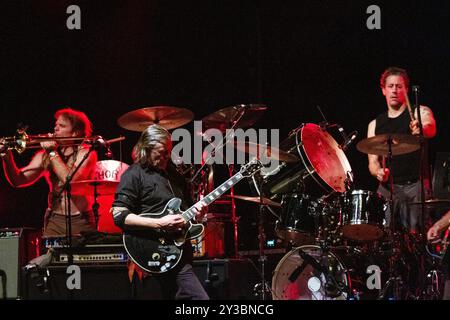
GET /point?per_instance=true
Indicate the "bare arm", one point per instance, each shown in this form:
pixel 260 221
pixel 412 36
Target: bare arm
pixel 438 227
pixel 375 167
pixel 428 123
pixel 85 172
pixel 26 175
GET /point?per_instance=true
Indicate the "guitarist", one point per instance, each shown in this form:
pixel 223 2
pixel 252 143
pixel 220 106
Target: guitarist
pixel 146 187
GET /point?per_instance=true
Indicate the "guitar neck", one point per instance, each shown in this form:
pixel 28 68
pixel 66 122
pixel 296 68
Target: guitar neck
pixel 189 214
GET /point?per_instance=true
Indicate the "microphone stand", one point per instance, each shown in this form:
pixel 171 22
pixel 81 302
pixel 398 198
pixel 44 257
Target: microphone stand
pixel 421 228
pixel 67 187
pixel 422 159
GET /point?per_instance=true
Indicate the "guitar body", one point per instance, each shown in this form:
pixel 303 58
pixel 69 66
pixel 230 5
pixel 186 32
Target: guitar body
pixel 159 251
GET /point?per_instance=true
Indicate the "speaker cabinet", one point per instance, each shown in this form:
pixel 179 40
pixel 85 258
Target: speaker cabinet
pixel 17 247
pixel 97 282
pixel 225 279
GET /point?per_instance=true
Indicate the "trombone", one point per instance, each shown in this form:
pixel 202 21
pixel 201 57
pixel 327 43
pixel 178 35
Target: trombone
pixel 22 141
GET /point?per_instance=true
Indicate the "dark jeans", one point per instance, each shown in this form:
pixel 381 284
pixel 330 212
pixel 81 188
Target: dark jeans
pixel 181 283
pixel 407 215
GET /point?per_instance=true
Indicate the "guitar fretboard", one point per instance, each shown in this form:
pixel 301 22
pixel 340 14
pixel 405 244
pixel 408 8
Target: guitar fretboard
pixel 214 195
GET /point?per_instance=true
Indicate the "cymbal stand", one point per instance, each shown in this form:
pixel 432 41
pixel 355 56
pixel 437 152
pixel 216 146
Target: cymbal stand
pixel 261 287
pixel 234 219
pixel 394 280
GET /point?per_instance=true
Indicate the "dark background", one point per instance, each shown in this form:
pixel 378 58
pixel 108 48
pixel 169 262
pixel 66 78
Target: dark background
pixel 207 55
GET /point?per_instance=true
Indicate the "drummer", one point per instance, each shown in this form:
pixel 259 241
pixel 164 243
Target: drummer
pixel 405 169
pixel 55 162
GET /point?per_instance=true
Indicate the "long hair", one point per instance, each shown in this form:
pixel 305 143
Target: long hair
pixel 148 140
pixel 394 71
pixel 79 121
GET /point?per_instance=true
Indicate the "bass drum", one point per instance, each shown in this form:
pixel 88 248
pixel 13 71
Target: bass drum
pixel 323 167
pixel 310 273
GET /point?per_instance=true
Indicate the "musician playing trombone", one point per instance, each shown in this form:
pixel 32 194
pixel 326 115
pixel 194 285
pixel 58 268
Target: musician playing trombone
pixel 55 160
pixel 400 119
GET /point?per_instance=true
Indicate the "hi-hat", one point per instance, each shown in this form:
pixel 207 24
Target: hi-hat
pixel 258 200
pixel 378 145
pixel 88 187
pixel 260 150
pixel 167 117
pixel 245 115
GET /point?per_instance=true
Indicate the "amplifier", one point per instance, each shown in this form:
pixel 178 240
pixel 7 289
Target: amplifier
pixel 91 254
pixel 17 247
pixel 227 279
pixel 92 258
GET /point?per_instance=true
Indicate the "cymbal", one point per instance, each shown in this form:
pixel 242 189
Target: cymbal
pixel 265 201
pixel 86 187
pixel 378 145
pixel 224 118
pixel 167 117
pixel 434 203
pixel 256 149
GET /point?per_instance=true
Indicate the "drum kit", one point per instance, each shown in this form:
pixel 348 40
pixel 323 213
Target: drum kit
pixel 332 231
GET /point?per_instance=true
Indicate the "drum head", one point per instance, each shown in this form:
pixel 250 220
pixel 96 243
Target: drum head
pixel 296 279
pixel 110 170
pixel 325 156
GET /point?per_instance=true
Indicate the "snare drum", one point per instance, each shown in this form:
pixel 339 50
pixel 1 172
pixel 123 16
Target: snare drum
pixel 362 215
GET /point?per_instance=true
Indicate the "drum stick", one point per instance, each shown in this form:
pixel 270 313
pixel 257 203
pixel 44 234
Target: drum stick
pixel 383 163
pixel 411 114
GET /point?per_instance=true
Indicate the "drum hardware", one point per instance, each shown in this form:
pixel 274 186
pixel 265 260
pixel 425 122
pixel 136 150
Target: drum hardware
pixel 389 145
pixel 229 116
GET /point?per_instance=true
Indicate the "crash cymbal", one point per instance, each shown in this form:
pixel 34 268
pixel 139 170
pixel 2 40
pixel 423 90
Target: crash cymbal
pixel 265 201
pixel 86 187
pixel 260 150
pixel 167 117
pixel 378 145
pixel 224 118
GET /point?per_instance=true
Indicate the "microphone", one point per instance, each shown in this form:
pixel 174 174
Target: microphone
pixel 348 140
pixel 98 141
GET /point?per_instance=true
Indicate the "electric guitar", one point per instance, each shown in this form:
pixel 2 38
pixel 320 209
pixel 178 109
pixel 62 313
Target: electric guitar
pixel 158 251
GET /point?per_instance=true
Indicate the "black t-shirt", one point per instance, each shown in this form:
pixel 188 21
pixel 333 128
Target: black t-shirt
pixel 147 190
pixel 404 167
